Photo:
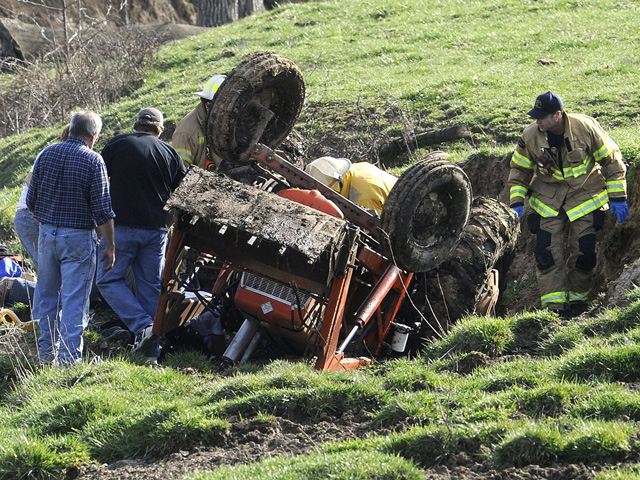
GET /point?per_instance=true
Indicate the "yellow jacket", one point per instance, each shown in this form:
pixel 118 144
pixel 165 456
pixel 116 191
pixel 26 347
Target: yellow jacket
pixel 190 142
pixel 367 185
pixel 592 170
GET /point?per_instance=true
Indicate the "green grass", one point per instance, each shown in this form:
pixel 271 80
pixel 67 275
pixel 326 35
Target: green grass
pixel 374 68
pixel 513 391
pixel 351 465
pixel 521 409
pixel 620 473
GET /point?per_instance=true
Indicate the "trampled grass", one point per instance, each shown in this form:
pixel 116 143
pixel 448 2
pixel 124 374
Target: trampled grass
pixel 520 390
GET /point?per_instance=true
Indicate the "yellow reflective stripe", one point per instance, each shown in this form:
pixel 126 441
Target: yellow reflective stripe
pixel 544 210
pixel 201 140
pixel 617 186
pixel 517 191
pixel 578 296
pixel 557 174
pixel 588 206
pixel 185 155
pixel 602 152
pixel 521 160
pixel 554 297
pixel 579 170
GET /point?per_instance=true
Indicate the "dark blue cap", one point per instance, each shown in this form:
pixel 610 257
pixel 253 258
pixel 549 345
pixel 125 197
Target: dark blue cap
pixel 546 103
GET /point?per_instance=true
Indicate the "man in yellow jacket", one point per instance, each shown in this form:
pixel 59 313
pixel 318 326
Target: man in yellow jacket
pixel 363 183
pixel 190 137
pixel 570 170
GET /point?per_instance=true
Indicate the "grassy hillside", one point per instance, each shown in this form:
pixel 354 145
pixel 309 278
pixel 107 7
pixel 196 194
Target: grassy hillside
pixel 527 396
pixel 519 397
pixel 374 69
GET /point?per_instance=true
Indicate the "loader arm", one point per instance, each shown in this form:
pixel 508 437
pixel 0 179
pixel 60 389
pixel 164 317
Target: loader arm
pixel 298 178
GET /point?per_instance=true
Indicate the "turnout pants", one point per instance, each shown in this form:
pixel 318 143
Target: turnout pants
pixel 565 256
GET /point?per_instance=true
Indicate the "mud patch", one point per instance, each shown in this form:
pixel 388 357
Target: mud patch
pixel 246 442
pixel 252 441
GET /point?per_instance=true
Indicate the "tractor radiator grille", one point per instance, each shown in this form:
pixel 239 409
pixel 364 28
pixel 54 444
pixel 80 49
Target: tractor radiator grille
pixel 274 290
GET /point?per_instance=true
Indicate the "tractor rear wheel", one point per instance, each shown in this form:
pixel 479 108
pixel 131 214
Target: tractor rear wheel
pixel 259 102
pixel 425 213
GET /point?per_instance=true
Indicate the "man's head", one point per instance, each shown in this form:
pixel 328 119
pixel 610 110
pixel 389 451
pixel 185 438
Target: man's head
pixel 85 125
pixel 149 120
pixel 547 111
pixel 211 87
pixel 329 170
pixel 546 104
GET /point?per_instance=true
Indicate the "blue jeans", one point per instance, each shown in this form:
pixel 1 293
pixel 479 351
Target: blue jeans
pixel 28 228
pixel 67 264
pixel 20 291
pixel 143 250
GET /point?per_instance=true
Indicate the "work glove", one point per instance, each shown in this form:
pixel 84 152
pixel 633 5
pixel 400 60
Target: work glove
pixel 518 210
pixel 620 209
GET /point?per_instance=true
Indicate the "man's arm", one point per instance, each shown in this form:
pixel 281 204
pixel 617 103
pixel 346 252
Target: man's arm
pixel 607 153
pixel 32 191
pixel 105 231
pixel 184 146
pixel 521 171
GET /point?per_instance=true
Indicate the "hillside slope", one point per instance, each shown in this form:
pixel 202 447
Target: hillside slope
pixel 375 71
pixel 519 397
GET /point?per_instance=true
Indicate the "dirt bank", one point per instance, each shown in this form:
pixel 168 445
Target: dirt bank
pixel 28 29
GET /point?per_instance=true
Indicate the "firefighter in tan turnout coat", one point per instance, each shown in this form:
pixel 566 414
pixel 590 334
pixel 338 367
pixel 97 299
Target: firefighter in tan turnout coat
pixel 189 138
pixel 570 169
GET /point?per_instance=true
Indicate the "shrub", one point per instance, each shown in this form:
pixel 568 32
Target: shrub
pixel 44 92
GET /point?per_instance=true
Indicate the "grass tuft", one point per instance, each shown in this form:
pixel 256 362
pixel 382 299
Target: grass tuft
pixel 320 466
pixel 485 335
pixel 535 444
pixel 605 363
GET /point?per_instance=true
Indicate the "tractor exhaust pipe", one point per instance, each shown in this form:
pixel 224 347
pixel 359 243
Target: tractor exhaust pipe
pixel 240 342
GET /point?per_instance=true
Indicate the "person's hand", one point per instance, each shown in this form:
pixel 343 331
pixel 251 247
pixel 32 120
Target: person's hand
pixel 108 257
pixel 620 209
pixel 518 209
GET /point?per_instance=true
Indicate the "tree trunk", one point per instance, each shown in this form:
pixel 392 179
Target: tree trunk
pixel 424 139
pixel 249 7
pixel 8 45
pixel 213 13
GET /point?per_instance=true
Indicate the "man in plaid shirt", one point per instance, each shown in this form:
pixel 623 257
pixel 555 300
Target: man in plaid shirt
pixel 69 196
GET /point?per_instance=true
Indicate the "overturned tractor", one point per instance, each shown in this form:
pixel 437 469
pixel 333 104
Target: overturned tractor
pixel 294 262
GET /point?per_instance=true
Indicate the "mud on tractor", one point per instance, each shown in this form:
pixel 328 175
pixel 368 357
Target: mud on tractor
pixel 304 268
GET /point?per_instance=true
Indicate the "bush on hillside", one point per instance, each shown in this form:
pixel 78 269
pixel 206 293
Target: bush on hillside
pixel 82 74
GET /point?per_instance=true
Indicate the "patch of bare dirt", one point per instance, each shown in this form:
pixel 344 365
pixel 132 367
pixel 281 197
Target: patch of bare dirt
pixel 252 441
pixel 247 441
pixel 49 12
pixel 28 29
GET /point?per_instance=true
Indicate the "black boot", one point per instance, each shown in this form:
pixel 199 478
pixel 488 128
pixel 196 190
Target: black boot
pixel 577 308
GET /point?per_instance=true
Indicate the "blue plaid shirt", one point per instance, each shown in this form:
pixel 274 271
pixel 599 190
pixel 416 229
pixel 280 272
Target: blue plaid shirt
pixel 69 187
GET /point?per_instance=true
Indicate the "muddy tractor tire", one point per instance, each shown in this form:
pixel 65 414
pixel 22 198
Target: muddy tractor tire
pixel 259 102
pixel 425 214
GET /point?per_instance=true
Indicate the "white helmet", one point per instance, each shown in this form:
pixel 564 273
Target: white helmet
pixel 328 169
pixel 211 87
